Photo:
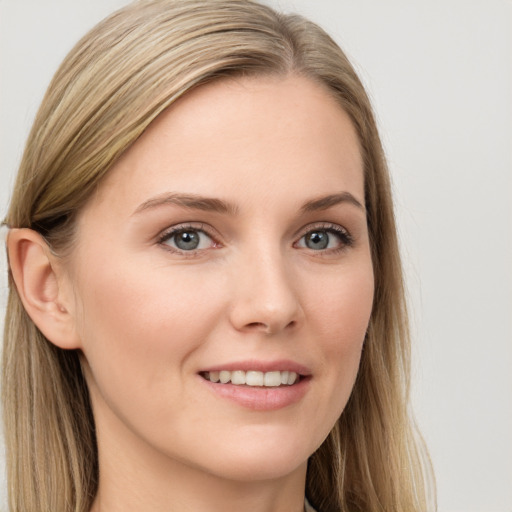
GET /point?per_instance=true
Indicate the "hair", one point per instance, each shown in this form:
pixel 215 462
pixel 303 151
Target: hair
pixel 112 85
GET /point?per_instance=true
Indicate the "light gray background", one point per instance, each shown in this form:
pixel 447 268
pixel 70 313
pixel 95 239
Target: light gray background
pixel 440 76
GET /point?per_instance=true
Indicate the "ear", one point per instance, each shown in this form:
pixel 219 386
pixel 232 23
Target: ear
pixel 34 270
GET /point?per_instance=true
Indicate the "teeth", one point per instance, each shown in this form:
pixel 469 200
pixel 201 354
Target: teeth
pixel 225 377
pixel 272 379
pixel 253 378
pixel 238 377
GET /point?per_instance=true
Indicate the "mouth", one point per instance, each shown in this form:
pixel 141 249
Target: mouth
pixel 259 385
pixel 253 378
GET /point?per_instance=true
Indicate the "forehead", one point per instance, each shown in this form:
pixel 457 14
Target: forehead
pixel 268 135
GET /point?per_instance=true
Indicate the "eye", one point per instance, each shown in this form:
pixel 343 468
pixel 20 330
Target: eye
pixel 325 238
pixel 187 239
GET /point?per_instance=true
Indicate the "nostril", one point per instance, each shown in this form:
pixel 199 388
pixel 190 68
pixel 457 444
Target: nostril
pixel 258 325
pixel 267 328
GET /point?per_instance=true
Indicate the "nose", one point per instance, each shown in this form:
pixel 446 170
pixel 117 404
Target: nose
pixel 265 299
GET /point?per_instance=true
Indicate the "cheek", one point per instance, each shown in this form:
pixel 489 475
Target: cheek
pixel 144 302
pixel 340 326
pixel 144 320
pixel 142 326
pixel 343 308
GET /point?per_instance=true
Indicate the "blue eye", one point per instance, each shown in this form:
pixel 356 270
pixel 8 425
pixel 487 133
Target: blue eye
pixel 317 240
pixel 187 239
pixel 325 238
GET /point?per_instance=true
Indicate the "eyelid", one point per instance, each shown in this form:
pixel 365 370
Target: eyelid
pixel 347 240
pixel 167 233
pixel 322 225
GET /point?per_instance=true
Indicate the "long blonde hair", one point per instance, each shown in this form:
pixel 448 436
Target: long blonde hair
pixel 111 86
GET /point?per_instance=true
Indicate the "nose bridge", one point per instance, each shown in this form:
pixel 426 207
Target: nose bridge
pixel 266 298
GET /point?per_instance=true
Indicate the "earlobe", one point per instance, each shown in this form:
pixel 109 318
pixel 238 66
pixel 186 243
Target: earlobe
pixel 33 268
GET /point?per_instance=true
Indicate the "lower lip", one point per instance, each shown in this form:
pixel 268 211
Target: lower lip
pixel 261 398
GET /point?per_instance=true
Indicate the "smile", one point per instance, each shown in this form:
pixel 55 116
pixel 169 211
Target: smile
pixel 253 378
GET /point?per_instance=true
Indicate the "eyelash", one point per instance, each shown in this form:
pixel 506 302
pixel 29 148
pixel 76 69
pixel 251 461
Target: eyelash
pixel 168 234
pixel 346 239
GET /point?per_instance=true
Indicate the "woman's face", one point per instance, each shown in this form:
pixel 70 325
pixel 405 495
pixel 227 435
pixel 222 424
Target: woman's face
pixel 229 242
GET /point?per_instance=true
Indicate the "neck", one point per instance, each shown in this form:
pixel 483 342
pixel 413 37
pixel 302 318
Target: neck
pixel 136 477
pixel 180 494
pixel 186 489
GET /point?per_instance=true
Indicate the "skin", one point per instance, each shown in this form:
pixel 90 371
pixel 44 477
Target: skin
pixel 149 317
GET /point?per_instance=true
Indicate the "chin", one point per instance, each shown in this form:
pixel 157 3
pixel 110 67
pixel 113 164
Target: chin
pixel 250 470
pixel 262 459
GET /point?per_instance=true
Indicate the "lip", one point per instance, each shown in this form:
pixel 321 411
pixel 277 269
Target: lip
pixel 261 366
pixel 260 398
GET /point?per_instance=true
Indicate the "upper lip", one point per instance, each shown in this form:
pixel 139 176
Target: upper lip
pixel 260 366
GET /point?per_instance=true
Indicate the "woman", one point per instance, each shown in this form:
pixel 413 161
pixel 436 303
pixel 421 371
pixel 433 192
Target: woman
pixel 206 307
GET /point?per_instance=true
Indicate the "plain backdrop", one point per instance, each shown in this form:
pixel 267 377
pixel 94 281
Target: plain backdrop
pixel 440 76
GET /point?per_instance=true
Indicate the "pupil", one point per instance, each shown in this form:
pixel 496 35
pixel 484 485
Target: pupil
pixel 317 240
pixel 188 240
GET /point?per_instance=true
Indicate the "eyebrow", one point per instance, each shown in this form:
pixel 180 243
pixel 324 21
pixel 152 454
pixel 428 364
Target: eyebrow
pixel 191 201
pixel 326 202
pixel 212 204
